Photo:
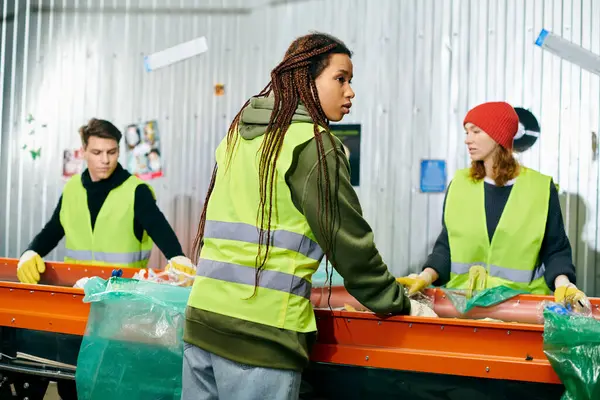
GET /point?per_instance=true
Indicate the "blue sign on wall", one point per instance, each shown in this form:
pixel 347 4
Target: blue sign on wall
pixel 433 176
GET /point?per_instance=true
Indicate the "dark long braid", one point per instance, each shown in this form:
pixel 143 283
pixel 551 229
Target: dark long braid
pixel 292 83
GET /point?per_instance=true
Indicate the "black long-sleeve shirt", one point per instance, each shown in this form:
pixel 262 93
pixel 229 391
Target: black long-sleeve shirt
pixel 555 252
pixel 147 216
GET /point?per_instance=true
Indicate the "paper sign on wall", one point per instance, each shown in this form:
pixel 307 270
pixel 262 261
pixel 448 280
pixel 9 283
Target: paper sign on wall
pixel 433 176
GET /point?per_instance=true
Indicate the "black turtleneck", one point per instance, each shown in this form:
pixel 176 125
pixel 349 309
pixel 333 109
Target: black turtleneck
pixel 147 216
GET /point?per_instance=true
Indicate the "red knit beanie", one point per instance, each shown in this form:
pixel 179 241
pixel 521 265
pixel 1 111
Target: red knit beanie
pixel 498 119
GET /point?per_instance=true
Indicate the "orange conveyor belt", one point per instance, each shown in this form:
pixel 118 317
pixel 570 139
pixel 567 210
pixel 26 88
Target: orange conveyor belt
pixel 464 346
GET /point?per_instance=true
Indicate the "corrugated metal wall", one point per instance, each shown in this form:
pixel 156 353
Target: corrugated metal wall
pixel 419 66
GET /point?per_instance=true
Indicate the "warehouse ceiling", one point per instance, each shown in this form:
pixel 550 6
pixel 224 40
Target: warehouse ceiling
pixel 214 7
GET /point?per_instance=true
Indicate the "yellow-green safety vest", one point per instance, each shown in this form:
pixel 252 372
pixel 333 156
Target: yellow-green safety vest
pixel 226 270
pixel 112 241
pixel 512 257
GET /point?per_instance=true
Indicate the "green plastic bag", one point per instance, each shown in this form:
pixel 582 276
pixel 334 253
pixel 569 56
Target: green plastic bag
pixel 485 298
pixel 572 345
pixel 133 344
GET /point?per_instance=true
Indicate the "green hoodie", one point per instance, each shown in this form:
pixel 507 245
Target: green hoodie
pixel 356 258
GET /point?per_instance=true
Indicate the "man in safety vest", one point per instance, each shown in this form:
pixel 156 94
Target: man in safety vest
pixel 108 216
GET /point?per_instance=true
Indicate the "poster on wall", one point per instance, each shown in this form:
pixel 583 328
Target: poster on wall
pixel 73 163
pixel 349 134
pixel 142 143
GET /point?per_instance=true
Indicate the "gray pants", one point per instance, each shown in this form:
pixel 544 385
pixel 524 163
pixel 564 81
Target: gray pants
pixel 207 376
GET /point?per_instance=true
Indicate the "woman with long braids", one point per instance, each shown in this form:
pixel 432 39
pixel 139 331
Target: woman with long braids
pixel 279 200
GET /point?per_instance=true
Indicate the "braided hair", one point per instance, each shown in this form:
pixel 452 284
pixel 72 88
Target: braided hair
pixel 292 82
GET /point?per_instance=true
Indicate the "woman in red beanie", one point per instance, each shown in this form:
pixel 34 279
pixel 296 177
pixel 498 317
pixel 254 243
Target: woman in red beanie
pixel 502 222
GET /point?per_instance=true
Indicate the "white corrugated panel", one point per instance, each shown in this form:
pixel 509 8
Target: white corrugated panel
pixel 419 66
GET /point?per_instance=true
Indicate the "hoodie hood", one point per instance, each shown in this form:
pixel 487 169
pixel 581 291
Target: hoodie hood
pixel 255 117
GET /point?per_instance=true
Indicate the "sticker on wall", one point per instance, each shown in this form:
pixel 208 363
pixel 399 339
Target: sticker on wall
pixel 142 143
pixel 529 130
pixel 73 163
pixel 349 135
pixel 30 137
pixel 35 154
pixel 433 176
pixel 219 89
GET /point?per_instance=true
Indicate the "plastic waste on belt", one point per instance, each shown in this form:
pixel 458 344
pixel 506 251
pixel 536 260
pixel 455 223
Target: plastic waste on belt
pixel 572 345
pixel 133 344
pixel 484 298
pixel 117 273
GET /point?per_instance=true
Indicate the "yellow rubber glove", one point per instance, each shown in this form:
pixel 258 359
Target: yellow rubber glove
pixel 413 282
pixel 182 268
pixel 477 280
pixel 30 267
pixel 416 283
pixel 569 294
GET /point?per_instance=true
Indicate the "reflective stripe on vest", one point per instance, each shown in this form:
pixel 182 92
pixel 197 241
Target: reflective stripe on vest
pixel 247 275
pixel 279 238
pixel 514 275
pixel 118 258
